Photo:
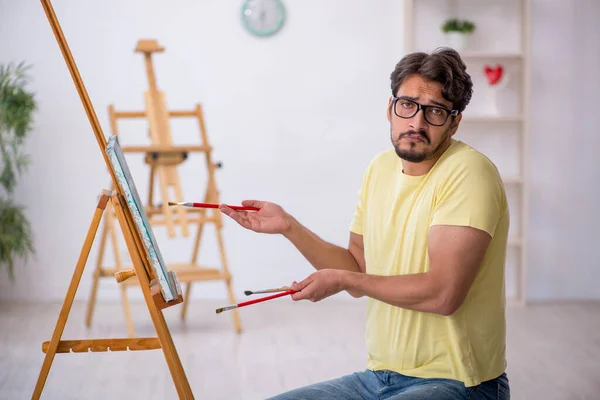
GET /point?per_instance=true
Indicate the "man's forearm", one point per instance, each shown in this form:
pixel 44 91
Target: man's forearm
pixel 318 252
pixel 417 292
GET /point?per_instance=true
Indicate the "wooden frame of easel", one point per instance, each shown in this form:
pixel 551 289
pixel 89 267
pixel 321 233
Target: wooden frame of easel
pixel 163 157
pixel 142 269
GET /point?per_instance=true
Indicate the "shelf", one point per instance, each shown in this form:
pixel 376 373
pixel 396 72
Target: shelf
pixel 512 180
pixel 477 55
pixel 484 55
pixel 514 241
pixel 486 130
pixel 512 302
pixel 491 118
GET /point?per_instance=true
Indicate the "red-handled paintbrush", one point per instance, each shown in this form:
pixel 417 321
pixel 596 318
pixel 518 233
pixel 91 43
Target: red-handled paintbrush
pixel 211 205
pixel 247 303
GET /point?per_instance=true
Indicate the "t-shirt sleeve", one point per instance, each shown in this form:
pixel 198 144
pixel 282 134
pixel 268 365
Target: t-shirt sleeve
pixel 471 193
pixel 356 225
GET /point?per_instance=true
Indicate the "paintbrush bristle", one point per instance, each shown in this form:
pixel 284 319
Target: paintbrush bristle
pixel 248 292
pixel 220 310
pixel 173 203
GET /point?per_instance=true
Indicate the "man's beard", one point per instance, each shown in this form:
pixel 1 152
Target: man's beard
pixel 412 155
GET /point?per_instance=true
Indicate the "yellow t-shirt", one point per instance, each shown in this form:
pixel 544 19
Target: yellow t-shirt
pixel 394 213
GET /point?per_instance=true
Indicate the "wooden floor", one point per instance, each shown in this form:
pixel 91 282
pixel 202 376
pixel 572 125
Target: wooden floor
pixel 553 351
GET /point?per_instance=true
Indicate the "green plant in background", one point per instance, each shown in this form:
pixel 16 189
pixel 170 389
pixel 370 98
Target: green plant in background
pixel 17 107
pixel 457 25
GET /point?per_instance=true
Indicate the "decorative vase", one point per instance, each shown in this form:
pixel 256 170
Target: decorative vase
pixel 457 40
pixel 497 81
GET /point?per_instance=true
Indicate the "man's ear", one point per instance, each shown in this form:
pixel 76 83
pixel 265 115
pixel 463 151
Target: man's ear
pixel 389 110
pixel 454 124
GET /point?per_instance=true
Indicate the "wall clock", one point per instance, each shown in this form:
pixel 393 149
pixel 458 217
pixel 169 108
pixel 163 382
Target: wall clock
pixel 263 17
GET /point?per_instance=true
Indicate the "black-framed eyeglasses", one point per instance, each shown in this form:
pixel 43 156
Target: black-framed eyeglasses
pixel 434 115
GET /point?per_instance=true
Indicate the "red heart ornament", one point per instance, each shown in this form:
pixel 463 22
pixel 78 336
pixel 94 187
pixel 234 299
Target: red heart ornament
pixel 493 74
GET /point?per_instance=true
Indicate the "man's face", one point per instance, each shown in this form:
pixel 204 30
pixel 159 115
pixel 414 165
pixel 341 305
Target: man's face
pixel 414 138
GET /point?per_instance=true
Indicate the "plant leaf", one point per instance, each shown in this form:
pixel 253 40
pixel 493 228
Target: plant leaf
pixel 16 236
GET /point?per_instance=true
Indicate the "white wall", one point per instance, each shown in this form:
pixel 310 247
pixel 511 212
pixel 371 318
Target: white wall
pixel 565 171
pixel 294 118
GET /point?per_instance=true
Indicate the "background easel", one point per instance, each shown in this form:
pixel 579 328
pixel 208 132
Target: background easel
pixel 142 268
pixel 164 157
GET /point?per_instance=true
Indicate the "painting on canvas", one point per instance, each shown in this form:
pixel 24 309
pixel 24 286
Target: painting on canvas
pixel 135 205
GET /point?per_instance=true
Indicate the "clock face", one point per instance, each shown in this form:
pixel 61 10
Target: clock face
pixel 263 17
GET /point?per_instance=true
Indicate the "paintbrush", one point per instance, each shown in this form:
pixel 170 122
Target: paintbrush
pixel 247 303
pixel 281 289
pixel 212 205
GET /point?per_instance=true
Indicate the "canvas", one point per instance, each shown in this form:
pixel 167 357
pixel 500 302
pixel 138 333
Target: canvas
pixel 125 180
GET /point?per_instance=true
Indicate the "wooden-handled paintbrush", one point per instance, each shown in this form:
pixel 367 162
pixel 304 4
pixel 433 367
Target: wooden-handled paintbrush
pixel 281 289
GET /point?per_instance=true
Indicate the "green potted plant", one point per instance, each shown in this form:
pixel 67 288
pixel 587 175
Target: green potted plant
pixel 457 31
pixel 17 106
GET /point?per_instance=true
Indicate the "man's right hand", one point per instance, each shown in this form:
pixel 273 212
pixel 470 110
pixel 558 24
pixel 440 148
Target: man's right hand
pixel 270 218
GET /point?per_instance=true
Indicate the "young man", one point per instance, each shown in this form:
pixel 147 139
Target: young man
pixel 427 247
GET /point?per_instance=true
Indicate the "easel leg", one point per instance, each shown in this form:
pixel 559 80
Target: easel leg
pixel 184 306
pixel 96 276
pixel 235 314
pixel 164 194
pixel 213 193
pixel 119 265
pixel 151 186
pixel 188 287
pixel 127 311
pixel 170 352
pixel 109 229
pixel 92 300
pixel 70 296
pixel 174 181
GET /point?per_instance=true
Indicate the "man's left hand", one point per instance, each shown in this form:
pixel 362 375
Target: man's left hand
pixel 319 285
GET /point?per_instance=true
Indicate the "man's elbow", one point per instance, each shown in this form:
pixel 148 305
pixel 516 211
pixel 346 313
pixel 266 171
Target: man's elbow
pixel 447 304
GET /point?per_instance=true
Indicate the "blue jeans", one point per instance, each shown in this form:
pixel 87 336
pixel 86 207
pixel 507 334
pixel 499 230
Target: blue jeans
pixel 389 385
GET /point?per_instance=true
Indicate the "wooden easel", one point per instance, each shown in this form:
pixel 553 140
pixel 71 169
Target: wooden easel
pixel 142 269
pixel 163 157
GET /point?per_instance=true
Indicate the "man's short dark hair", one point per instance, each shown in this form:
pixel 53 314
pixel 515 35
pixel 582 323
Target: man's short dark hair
pixel 445 66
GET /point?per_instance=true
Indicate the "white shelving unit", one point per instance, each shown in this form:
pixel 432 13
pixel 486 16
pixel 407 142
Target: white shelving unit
pixel 502 36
